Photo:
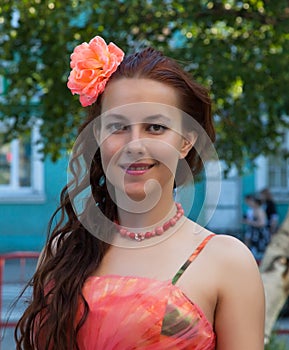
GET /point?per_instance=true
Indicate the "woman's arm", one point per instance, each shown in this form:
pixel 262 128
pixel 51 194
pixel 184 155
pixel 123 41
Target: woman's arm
pixel 239 318
pixel 259 219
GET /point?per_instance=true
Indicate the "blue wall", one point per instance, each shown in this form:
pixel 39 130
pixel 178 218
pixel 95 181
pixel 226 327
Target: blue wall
pixel 282 209
pixel 23 226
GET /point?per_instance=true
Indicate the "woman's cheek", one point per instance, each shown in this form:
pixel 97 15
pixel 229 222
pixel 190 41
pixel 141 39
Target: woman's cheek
pixel 110 151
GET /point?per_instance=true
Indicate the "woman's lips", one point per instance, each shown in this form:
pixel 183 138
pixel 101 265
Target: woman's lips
pixel 137 168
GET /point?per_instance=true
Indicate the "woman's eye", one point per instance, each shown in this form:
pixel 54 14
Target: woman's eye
pixel 116 127
pixel 157 128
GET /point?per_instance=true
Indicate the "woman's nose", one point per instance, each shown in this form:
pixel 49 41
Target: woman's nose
pixel 136 144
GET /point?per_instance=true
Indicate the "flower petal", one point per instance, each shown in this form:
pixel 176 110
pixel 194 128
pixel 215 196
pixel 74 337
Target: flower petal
pixel 92 65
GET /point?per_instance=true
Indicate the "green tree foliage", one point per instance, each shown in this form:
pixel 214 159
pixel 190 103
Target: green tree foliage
pixel 239 49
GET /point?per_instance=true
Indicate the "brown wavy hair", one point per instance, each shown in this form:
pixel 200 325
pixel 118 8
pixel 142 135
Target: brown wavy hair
pixel 72 253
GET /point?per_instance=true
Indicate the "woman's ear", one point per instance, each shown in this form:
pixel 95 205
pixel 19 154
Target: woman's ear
pixel 189 141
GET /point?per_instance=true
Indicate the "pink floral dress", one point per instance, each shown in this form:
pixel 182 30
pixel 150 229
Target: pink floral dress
pixel 127 313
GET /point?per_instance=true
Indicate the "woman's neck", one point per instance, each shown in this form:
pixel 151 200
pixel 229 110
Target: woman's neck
pixel 148 215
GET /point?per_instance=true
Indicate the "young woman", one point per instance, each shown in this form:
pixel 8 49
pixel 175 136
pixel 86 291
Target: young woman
pixel 124 268
pixel 257 235
pixel 270 209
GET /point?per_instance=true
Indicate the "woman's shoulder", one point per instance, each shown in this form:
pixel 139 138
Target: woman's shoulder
pixel 220 245
pixel 226 240
pixel 227 248
pixel 233 262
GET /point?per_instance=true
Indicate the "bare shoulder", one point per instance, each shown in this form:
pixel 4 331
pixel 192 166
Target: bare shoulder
pixel 234 264
pixel 230 246
pixel 230 252
pixel 222 247
pixel 228 241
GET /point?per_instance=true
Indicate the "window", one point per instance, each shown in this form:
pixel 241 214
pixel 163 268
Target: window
pixel 273 172
pixel 21 169
pixel 15 163
pixel 278 173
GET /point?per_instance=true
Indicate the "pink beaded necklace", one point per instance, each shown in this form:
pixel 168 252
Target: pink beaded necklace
pixel 158 231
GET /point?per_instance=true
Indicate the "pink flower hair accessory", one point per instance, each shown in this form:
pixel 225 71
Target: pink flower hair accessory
pixel 92 65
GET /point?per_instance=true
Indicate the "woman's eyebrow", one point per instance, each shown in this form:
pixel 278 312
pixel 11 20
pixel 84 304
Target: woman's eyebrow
pixel 157 118
pixel 115 116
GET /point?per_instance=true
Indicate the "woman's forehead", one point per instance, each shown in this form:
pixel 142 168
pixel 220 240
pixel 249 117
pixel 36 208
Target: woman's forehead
pixel 144 113
pixel 137 90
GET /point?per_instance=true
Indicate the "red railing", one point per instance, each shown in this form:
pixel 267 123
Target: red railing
pixel 22 257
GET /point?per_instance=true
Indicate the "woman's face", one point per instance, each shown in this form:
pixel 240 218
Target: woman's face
pixel 251 203
pixel 140 137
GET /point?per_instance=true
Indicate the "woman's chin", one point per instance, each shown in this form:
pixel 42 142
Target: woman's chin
pixel 136 196
pixel 135 193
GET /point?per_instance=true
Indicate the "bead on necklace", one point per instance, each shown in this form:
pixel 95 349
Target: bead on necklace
pixel 158 231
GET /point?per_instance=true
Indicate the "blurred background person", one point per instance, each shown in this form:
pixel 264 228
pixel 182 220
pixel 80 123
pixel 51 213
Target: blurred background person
pixel 257 235
pixel 270 209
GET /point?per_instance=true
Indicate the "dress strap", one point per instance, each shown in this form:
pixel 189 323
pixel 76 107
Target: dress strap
pixel 197 251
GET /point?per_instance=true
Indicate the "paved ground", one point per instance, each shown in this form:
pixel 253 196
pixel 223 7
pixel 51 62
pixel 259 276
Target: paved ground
pixel 14 281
